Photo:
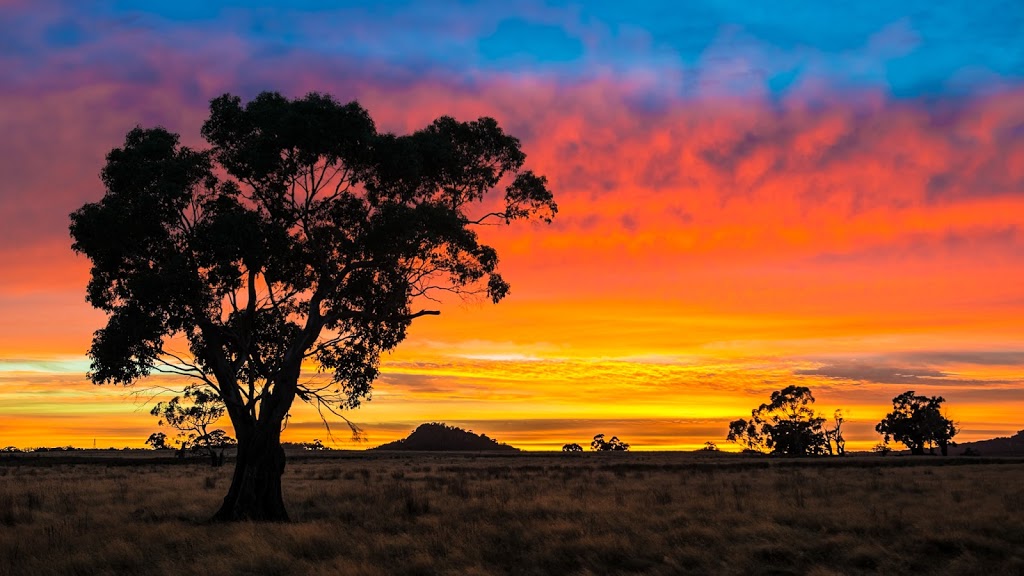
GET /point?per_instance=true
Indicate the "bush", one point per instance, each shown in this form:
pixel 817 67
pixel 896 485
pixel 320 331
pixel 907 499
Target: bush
pixel 599 444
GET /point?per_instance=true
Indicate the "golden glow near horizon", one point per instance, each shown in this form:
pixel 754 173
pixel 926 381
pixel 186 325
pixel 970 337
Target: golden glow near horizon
pixel 656 379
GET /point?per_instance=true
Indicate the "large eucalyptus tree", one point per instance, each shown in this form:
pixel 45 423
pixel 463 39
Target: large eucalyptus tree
pixel 300 238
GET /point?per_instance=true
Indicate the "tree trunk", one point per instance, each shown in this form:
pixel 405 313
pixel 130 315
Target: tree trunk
pixel 255 492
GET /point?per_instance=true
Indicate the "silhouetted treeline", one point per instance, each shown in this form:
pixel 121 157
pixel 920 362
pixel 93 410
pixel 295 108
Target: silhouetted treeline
pixel 43 449
pixel 788 425
pixel 315 446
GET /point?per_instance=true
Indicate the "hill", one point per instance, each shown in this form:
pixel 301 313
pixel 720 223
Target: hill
pixel 1002 446
pixel 437 436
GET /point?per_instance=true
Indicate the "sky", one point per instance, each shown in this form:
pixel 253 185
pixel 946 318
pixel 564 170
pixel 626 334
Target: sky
pixel 750 194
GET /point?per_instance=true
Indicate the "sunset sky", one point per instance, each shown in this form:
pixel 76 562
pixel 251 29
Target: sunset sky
pixel 750 195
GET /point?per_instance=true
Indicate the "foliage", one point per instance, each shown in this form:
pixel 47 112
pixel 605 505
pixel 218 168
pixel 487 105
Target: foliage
pixel 917 423
pixel 193 419
pixel 301 236
pixel 599 444
pixel 786 426
pixel 747 434
pixel 710 447
pixel 573 447
pixel 158 441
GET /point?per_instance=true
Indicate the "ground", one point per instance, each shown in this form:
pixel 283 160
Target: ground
pixel 443 513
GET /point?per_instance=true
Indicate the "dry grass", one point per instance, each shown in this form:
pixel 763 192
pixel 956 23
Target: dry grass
pixel 524 514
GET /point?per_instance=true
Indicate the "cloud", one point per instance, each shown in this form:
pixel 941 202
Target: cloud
pixel 75 366
pixel 975 357
pixel 882 374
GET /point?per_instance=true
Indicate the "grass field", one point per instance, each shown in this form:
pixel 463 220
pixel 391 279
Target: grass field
pixel 400 513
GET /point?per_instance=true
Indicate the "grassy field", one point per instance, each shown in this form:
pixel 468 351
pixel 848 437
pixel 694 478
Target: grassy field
pixel 400 513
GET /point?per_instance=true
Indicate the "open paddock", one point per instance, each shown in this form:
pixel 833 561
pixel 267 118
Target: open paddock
pixel 444 513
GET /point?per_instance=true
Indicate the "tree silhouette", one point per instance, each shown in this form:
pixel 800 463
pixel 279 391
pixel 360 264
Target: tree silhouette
pixel 158 440
pixel 599 444
pixel 193 421
pixel 917 423
pixel 835 434
pixel 746 433
pixel 301 236
pixel 574 447
pixel 787 425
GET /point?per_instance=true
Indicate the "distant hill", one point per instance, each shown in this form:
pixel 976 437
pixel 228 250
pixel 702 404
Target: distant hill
pixel 1002 446
pixel 437 436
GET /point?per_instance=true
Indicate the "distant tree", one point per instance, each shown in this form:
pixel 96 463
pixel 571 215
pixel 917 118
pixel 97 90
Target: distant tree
pixel 710 447
pixel 158 440
pixel 301 237
pixel 315 446
pixel 917 423
pixel 834 435
pixel 193 419
pixel 786 426
pixel 572 448
pixel 10 449
pixel 599 444
pixel 881 449
pixel 746 433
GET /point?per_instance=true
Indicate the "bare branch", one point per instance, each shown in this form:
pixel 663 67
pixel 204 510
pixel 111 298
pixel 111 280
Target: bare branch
pixel 327 343
pixel 324 402
pixel 488 216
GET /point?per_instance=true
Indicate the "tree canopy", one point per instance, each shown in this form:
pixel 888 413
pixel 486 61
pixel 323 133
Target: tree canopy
pixel 599 444
pixel 917 423
pixel 302 235
pixel 787 425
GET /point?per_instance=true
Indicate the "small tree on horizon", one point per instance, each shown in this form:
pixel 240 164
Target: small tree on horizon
pixel 917 422
pixel 158 441
pixel 599 444
pixel 573 447
pixel 193 419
